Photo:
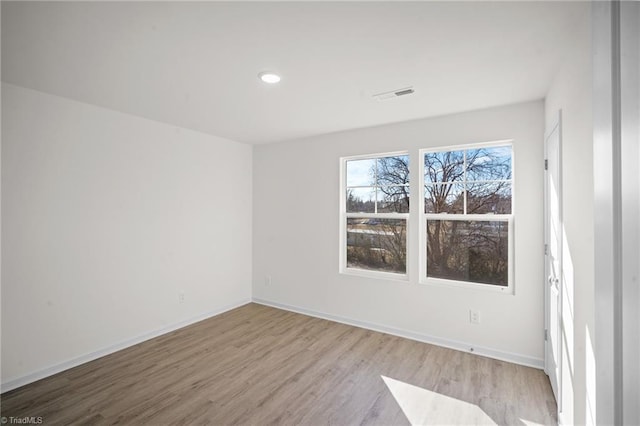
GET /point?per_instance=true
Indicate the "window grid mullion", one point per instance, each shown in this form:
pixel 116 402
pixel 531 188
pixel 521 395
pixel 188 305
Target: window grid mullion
pixel 470 217
pixel 404 216
pixel 451 182
pixel 464 181
pixel 375 181
pixel 391 185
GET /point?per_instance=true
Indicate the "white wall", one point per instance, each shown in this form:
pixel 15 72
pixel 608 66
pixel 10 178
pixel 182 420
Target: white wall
pixel 106 218
pixel 296 217
pixel 571 92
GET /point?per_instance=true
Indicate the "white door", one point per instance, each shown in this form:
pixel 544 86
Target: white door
pixel 553 258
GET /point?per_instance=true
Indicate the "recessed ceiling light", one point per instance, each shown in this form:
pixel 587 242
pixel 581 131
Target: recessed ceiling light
pixel 269 77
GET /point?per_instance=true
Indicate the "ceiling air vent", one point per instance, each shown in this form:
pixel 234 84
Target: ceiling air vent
pixel 395 93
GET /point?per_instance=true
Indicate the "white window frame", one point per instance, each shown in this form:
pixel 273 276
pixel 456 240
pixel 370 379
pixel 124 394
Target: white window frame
pixel 344 216
pixel 509 218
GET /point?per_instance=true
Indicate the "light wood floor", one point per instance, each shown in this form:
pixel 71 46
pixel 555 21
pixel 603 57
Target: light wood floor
pixel 259 365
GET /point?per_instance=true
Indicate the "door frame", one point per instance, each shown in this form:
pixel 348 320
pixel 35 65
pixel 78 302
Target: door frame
pixel 555 126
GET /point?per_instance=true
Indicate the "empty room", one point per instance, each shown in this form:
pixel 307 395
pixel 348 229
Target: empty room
pixel 312 213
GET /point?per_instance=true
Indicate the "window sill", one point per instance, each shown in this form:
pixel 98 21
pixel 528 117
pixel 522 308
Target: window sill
pixel 374 274
pixel 439 282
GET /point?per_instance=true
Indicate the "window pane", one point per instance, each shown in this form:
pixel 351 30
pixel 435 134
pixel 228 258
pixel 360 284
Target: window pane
pixel 361 200
pixel 361 172
pixel 393 170
pixel 377 244
pixel 489 198
pixel 444 198
pixel 472 251
pixel 393 199
pixel 489 163
pixel 446 166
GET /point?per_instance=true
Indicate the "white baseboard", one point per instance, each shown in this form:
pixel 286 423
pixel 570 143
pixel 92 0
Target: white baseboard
pixel 420 337
pixel 50 371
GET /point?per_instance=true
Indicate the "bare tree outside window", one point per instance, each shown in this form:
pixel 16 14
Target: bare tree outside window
pixel 377 206
pixel 458 185
pixel 467 208
pixel 393 178
pixel 377 244
pixel 471 251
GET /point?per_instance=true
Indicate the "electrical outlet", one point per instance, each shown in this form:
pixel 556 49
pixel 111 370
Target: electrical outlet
pixel 474 316
pixel 181 297
pixel 267 280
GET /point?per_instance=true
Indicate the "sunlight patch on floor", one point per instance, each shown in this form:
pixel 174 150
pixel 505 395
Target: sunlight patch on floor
pixel 529 423
pixel 425 407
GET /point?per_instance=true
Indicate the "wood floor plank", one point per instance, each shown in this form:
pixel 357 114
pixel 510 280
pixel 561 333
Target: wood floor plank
pixel 257 365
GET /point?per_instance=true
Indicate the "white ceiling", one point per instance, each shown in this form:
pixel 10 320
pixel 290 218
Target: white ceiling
pixel 195 65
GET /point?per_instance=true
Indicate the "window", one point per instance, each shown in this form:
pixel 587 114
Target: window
pixel 467 219
pixel 375 213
